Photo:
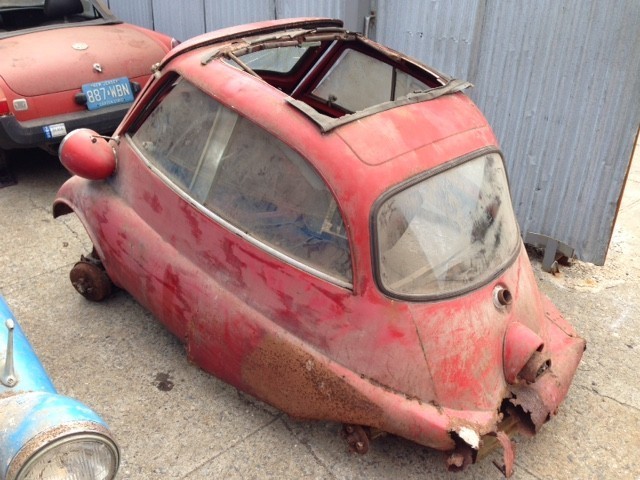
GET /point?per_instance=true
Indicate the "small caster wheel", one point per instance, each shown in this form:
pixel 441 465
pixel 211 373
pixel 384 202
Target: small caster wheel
pixel 90 281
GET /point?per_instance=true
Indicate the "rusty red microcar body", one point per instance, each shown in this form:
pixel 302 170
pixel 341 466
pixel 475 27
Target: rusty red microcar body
pixel 326 224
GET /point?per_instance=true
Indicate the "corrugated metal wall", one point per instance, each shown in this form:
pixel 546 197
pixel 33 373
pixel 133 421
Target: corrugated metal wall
pixel 189 18
pixel 560 84
pixel 558 81
pixel 440 33
pixel 139 12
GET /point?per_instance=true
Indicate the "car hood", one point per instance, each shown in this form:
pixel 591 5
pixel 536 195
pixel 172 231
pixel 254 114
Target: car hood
pixel 56 60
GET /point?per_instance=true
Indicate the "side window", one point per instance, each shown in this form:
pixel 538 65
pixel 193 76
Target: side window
pixel 175 133
pixel 272 193
pixel 247 177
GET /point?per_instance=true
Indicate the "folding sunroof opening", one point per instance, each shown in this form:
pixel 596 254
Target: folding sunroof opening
pixel 338 77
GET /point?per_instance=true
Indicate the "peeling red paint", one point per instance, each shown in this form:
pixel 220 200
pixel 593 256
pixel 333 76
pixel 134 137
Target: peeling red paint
pixel 153 201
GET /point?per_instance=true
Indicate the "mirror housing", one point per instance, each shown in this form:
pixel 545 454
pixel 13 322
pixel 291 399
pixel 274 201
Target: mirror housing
pixel 87 154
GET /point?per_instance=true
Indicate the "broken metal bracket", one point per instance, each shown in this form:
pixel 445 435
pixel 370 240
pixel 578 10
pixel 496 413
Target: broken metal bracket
pixel 368 21
pixel 553 250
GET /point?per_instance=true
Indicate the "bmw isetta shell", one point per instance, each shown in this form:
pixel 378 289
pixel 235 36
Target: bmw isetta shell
pixel 327 225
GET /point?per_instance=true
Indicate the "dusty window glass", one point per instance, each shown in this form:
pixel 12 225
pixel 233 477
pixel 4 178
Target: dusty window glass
pixel 271 193
pixel 448 232
pixel 279 60
pixel 406 84
pixel 174 135
pixel 356 81
pixel 246 176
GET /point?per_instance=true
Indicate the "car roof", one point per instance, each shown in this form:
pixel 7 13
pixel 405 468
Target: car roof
pixel 400 139
pixel 236 41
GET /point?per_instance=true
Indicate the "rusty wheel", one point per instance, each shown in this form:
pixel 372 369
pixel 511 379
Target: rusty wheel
pixel 357 438
pixel 90 281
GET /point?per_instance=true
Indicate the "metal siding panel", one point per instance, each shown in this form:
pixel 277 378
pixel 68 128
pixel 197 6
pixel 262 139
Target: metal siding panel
pixel 439 32
pixel 138 13
pixel 558 82
pixel 181 20
pixel 351 12
pixel 311 8
pixel 226 14
pixel 559 85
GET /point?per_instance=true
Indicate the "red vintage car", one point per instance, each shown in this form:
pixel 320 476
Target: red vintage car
pixel 326 224
pixel 66 64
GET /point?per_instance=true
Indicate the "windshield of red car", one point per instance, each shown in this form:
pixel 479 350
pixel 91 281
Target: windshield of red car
pixel 448 233
pixel 18 16
pixel 21 3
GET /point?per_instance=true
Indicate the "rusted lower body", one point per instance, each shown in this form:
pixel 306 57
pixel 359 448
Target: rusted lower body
pixel 284 372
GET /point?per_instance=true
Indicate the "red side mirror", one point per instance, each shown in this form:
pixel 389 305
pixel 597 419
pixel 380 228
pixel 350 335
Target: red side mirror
pixel 87 154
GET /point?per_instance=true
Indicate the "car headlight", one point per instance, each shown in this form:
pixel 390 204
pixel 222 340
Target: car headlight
pixel 78 456
pixel 49 436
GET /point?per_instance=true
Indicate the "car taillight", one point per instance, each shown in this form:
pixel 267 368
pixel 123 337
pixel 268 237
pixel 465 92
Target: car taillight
pixel 4 104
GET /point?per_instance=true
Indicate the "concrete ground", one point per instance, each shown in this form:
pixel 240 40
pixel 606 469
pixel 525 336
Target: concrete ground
pixel 173 421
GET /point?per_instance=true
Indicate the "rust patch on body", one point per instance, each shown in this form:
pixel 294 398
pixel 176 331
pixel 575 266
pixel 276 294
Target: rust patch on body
pixel 304 386
pixel 528 401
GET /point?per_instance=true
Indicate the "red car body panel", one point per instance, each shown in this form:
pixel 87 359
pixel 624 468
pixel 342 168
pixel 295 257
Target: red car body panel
pixel 426 370
pixel 44 66
pixel 105 44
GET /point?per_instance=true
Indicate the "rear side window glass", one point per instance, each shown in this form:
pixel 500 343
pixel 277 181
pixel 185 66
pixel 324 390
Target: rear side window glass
pixel 272 193
pixel 249 178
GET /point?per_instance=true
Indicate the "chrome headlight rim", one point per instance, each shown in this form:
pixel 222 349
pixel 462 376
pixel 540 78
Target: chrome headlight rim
pixel 59 436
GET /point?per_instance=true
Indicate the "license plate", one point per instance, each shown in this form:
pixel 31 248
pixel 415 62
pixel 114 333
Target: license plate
pixel 107 93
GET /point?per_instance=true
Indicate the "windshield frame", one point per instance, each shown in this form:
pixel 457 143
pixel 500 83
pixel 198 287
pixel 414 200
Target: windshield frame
pixel 373 227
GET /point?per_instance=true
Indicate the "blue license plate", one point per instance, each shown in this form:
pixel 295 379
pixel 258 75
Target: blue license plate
pixel 108 93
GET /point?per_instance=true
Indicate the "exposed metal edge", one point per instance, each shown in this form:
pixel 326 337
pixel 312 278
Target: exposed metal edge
pixel 327 124
pixel 552 248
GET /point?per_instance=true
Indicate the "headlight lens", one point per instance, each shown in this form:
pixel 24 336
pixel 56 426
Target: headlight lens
pixel 74 457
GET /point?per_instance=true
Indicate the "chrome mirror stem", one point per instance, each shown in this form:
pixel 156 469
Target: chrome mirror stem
pixel 8 378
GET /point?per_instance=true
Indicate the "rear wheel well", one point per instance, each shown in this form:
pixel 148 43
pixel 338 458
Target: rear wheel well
pixel 61 208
